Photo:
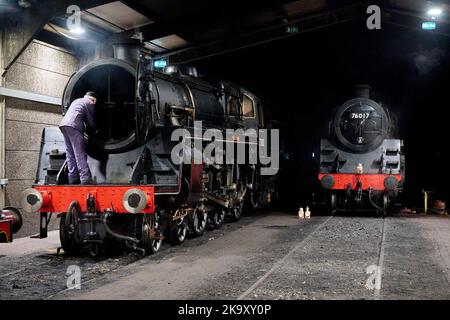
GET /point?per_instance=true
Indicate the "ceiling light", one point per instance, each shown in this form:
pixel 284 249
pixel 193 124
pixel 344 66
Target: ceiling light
pixel 434 12
pixel 77 31
pixel 24 3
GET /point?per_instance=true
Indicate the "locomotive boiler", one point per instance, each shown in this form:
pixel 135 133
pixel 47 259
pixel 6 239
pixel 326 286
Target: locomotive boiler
pixel 362 163
pixel 140 195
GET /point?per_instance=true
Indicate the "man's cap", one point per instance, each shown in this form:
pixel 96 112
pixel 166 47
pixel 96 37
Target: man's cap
pixel 91 94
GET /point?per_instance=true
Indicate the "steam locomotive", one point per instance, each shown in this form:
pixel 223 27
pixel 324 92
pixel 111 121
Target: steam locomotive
pixel 140 195
pixel 362 163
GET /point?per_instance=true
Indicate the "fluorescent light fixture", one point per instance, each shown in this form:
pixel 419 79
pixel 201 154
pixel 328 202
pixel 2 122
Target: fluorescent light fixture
pixel 77 31
pixel 24 3
pixel 435 12
pixel 429 25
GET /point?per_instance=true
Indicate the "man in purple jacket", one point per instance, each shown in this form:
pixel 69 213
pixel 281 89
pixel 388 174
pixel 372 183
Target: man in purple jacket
pixel 81 111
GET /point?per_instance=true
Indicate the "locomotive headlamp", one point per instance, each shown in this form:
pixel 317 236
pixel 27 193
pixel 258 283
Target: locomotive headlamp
pixel 359 168
pixel 134 200
pixel 390 183
pixel 32 200
pixel 327 182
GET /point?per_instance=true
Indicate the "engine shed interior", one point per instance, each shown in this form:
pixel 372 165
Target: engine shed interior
pixel 303 58
pixel 355 88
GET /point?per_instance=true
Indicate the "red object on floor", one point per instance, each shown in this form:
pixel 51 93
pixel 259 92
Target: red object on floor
pixel 5 230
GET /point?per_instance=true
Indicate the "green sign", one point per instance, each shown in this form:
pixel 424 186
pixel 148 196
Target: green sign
pixel 429 25
pixel 291 29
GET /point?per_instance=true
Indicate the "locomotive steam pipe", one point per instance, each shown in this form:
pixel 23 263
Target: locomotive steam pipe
pixel 115 234
pixel 134 242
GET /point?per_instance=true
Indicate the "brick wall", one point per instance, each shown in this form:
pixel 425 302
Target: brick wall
pixel 42 69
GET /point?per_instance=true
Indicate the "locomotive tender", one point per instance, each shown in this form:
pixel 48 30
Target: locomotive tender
pixel 140 196
pixel 362 164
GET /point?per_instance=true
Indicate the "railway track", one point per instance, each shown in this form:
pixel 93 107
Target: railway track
pixel 379 270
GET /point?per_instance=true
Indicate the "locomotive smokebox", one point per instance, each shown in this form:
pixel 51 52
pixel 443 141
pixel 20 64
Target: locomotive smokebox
pixel 114 81
pixel 134 99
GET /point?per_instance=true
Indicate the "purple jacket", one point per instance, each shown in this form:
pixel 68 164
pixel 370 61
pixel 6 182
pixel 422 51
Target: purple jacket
pixel 80 111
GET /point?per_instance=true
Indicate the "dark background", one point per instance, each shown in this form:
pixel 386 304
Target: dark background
pixel 301 79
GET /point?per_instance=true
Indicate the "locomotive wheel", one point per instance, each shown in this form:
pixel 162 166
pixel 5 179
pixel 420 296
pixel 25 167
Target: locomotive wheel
pixel 68 230
pixel 333 201
pixel 95 249
pixel 151 243
pixel 385 204
pixel 217 219
pixel 254 201
pixel 178 231
pixel 236 212
pixel 197 222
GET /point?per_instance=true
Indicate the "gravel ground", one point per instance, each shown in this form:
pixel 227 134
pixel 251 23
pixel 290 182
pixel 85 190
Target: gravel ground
pixel 268 256
pixel 40 276
pixel 414 268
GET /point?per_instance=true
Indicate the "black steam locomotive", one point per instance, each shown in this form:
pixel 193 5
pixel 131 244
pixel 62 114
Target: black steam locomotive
pixel 362 164
pixel 140 195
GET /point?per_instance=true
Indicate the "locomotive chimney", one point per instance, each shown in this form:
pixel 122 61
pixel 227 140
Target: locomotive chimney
pixel 128 52
pixel 362 91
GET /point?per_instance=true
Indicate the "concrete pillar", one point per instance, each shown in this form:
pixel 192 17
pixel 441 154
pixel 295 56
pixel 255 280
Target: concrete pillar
pixel 2 126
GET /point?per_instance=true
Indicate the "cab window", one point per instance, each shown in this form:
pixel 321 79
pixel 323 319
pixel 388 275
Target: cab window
pixel 233 106
pixel 248 108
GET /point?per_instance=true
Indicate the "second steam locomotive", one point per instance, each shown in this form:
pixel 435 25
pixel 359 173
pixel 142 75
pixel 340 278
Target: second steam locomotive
pixel 140 195
pixel 362 163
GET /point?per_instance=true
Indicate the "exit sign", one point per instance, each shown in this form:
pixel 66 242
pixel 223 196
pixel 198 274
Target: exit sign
pixel 291 29
pixel 160 64
pixel 429 25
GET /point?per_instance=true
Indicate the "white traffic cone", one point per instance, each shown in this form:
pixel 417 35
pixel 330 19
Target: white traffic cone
pixel 301 213
pixel 307 213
